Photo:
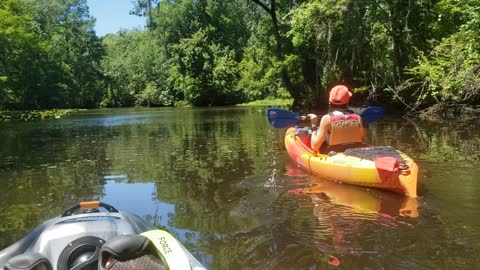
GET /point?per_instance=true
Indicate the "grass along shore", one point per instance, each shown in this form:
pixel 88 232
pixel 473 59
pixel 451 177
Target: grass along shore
pixel 27 115
pixel 7 115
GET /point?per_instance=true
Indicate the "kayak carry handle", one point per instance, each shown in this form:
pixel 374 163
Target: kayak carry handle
pixel 89 205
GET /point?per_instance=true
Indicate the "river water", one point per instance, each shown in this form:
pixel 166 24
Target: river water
pixel 220 180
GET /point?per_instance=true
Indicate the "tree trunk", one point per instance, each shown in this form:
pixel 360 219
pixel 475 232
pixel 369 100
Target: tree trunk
pixel 399 48
pixel 294 91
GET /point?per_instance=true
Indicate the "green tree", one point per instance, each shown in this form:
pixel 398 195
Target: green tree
pixel 50 55
pixel 80 51
pixel 259 67
pixel 451 71
pixel 207 73
pixel 203 51
pixel 21 54
pixel 136 71
pixel 282 45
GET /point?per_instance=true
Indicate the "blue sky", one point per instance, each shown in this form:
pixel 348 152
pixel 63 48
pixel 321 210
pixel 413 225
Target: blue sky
pixel 113 15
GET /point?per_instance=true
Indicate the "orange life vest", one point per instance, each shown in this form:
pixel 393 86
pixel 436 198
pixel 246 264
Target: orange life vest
pixel 345 129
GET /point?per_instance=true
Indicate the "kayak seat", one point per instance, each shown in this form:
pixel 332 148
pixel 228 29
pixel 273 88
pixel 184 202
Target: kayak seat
pixel 305 135
pixel 31 261
pixel 341 148
pixel 386 158
pixel 375 152
pixel 129 252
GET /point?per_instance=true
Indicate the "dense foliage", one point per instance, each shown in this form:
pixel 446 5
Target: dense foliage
pixel 217 52
pixel 49 55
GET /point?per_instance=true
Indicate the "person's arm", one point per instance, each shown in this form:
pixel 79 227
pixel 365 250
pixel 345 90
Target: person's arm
pixel 319 133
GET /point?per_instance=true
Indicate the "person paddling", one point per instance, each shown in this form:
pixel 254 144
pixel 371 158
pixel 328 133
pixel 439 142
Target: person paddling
pixel 341 128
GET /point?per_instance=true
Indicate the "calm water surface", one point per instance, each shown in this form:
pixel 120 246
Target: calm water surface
pixel 221 181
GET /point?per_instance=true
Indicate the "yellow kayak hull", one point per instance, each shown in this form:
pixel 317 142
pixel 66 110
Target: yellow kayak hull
pixel 353 170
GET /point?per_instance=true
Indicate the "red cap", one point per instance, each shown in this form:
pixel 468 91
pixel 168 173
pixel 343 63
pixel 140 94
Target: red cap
pixel 339 95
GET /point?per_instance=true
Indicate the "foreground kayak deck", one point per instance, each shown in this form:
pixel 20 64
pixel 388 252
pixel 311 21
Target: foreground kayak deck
pixel 64 239
pixel 383 172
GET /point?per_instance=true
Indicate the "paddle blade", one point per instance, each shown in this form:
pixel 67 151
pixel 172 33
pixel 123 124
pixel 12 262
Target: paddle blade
pixel 371 114
pixel 279 118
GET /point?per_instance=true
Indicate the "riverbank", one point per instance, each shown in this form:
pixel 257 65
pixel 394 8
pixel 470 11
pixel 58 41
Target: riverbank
pixel 269 102
pixel 449 111
pixel 437 112
pixel 6 116
pixel 26 115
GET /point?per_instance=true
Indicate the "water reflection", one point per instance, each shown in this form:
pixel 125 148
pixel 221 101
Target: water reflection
pixel 349 223
pixel 361 200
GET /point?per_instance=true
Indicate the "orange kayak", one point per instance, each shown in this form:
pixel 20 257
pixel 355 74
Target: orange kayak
pixel 380 167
